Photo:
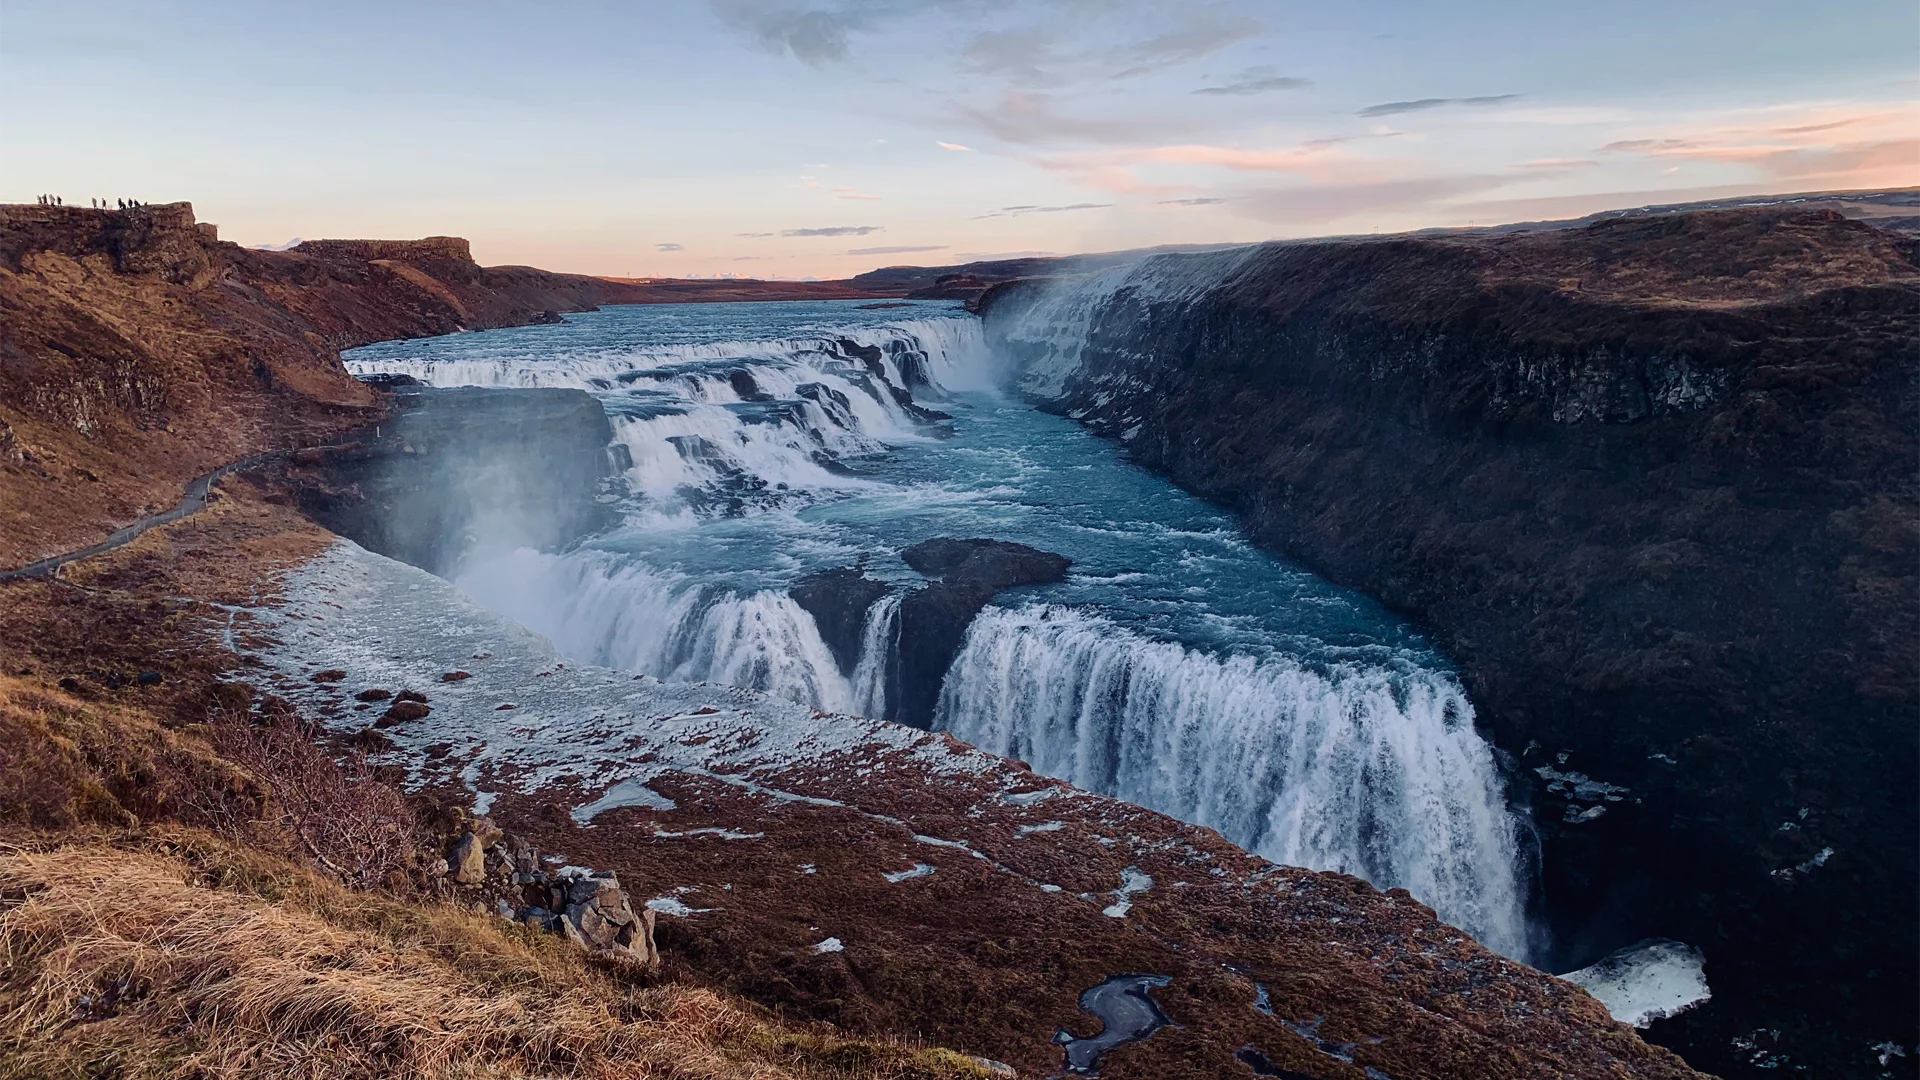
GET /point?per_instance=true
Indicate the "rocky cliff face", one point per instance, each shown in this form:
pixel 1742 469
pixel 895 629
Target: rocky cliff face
pixel 525 468
pixel 1651 484
pixel 137 351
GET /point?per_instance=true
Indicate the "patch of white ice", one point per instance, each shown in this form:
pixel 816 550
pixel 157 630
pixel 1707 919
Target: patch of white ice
pixel 671 905
pixel 918 870
pixel 1131 881
pixel 1646 982
pixel 832 944
pixel 624 793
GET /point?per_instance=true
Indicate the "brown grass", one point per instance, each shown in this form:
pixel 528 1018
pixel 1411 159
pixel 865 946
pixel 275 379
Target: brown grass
pixel 185 956
pixel 137 944
pixel 66 762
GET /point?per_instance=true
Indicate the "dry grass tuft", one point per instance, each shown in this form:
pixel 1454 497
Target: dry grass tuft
pixel 188 956
pixel 67 762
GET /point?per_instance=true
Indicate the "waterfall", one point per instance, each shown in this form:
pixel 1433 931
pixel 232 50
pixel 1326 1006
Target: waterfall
pixel 598 610
pixel 732 427
pixel 1370 771
pixel 735 454
pixel 879 648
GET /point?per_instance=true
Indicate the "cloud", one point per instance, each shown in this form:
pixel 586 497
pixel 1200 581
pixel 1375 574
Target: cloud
pixel 755 235
pixel 1317 204
pixel 1017 211
pixel 952 146
pixel 1256 80
pixel 1029 118
pixel 854 193
pixel 835 230
pixel 1838 146
pixel 1203 31
pixel 902 249
pixel 1063 45
pixel 1393 108
pixel 811 35
pixel 1555 163
pixel 1114 170
pixel 669 247
pixel 1191 202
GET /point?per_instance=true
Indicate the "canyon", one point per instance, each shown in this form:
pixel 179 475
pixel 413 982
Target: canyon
pixel 1647 484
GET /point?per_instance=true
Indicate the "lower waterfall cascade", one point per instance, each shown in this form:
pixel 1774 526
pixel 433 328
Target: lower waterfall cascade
pixel 1177 667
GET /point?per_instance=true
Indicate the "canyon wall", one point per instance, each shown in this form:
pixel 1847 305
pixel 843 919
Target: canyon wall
pixel 137 352
pixel 1651 484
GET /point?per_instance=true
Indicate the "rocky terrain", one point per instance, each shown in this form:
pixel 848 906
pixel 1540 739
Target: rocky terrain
pixel 1651 484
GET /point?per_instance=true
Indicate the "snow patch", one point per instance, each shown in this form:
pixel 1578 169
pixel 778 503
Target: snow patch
pixel 672 905
pixel 624 793
pixel 1649 981
pixel 1132 880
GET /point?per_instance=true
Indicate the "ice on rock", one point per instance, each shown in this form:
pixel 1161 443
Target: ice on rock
pixel 1649 981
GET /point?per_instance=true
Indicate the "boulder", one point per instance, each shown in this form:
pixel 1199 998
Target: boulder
pixel 597 913
pixel 469 860
pixel 401 712
pixel 994 564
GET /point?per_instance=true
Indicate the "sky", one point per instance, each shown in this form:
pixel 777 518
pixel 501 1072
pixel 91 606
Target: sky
pixel 821 138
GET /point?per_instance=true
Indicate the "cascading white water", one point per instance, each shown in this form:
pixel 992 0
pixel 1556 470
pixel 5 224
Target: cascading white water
pixel 600 611
pixel 879 644
pixel 736 424
pixel 1370 771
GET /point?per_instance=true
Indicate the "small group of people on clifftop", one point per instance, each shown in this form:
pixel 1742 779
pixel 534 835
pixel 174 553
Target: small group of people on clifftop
pixel 97 204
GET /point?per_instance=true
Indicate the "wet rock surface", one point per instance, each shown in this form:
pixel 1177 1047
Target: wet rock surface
pixel 934 619
pixel 1651 485
pixel 992 564
pixel 839 601
pixel 526 467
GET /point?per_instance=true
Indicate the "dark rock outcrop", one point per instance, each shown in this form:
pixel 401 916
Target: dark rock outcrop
pixel 934 620
pixel 1652 485
pixel 993 564
pixel 839 601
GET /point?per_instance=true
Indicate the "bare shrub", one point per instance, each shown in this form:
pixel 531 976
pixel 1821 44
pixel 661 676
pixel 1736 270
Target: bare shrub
pixel 352 824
